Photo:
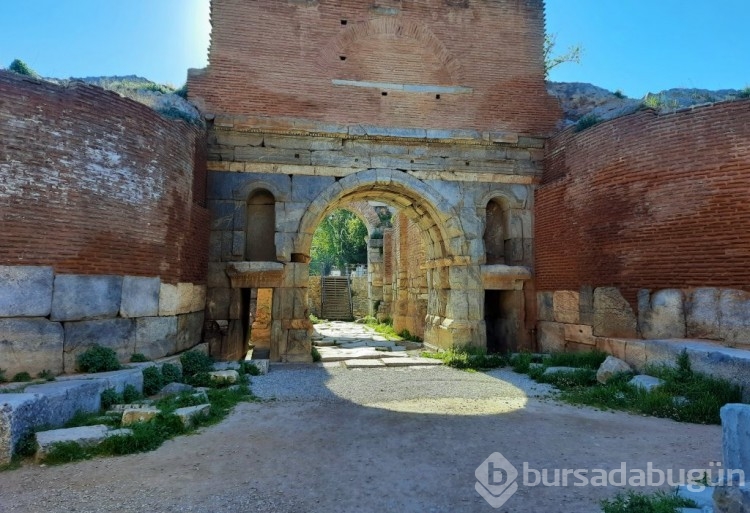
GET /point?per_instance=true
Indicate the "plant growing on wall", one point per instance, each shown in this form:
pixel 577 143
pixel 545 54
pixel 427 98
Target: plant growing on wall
pixel 20 67
pixel 552 60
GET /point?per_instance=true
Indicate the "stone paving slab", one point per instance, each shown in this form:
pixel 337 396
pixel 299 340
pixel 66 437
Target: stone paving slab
pixel 335 355
pixel 84 436
pixel 412 361
pixel 364 364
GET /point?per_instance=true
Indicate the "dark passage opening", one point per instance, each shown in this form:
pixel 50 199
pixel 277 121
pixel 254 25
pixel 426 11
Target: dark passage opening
pixel 502 311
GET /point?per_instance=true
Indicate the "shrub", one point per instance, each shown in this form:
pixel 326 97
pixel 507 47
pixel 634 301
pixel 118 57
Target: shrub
pixel 20 67
pixel 2 376
pixel 315 354
pixel 194 362
pixel 46 375
pixel 587 121
pixel 745 93
pixel 171 373
pixel 22 377
pixel 619 94
pixel 130 394
pixel 200 379
pixel 152 380
pixel 182 92
pixel 138 358
pixel 249 368
pixel 110 397
pixel 98 359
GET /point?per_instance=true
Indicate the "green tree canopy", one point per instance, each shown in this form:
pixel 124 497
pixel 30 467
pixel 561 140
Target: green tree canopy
pixel 340 239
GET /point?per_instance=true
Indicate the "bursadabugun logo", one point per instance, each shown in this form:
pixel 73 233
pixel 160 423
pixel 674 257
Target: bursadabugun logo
pixel 496 480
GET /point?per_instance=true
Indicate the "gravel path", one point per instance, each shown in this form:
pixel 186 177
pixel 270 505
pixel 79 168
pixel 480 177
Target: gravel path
pixel 328 439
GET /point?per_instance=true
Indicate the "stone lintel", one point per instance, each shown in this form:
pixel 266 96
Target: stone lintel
pixel 295 169
pixel 504 277
pixel 257 275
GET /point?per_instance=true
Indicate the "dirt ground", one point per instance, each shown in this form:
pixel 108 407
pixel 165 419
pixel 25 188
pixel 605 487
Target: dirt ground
pixel 375 440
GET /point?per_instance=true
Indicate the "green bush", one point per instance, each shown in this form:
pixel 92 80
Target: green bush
pixel 109 398
pixel 171 373
pixel 2 376
pixel 587 121
pixel 20 67
pixel 131 394
pixel 201 379
pixel 152 380
pixel 22 377
pixel 195 362
pixel 138 358
pixel 745 93
pixel 98 359
pixel 315 354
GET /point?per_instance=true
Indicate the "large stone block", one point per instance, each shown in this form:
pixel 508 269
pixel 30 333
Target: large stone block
pixel 735 317
pixel 735 425
pixel 25 291
pixel 544 308
pixel 66 398
pixel 31 345
pixel 217 304
pixel 189 330
pixel 80 298
pixel 551 337
pixel 661 315
pixel 565 306
pixel 140 296
pixel 116 334
pixel 156 337
pixel 703 314
pixel 169 300
pixel 613 316
pixel 20 414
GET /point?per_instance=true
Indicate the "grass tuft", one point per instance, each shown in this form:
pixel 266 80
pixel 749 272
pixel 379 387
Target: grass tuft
pixel 467 358
pixel 634 502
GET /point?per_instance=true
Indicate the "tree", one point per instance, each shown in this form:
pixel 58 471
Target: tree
pixel 20 67
pixel 340 239
pixel 551 61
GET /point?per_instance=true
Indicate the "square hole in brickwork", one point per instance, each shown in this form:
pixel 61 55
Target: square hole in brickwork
pixel 343 22
pixel 342 57
pixel 437 96
pixel 384 93
pixel 296 156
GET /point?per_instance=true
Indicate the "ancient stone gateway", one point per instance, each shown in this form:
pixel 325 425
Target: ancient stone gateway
pixel 319 105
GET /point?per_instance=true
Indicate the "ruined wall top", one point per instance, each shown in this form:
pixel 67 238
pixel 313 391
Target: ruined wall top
pixel 440 64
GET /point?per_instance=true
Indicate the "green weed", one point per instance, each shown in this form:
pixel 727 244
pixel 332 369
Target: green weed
pixel 194 362
pixel 171 373
pixel 634 502
pixel 153 381
pixel 138 358
pixel 315 354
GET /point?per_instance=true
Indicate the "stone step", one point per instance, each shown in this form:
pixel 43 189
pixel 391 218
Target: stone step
pixel 412 361
pixel 85 436
pixel 364 364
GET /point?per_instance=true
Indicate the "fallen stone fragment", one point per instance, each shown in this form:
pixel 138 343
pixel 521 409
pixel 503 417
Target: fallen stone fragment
pixel 133 415
pixel 645 382
pixel 189 413
pixel 85 436
pixel 610 368
pixel 225 376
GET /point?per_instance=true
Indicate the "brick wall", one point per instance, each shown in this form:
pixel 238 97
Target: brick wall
pixel 280 59
pixel 93 183
pixel 648 201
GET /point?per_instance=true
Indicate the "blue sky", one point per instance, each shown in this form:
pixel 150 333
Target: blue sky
pixel 636 46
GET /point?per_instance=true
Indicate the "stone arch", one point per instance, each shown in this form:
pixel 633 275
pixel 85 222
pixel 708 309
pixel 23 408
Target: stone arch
pixel 415 198
pixel 454 305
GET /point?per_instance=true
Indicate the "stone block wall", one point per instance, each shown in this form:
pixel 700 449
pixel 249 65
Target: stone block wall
pixel 409 294
pixel 104 226
pixel 48 319
pixel 647 237
pixel 648 201
pixel 388 64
